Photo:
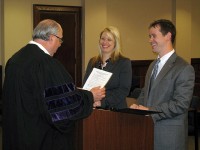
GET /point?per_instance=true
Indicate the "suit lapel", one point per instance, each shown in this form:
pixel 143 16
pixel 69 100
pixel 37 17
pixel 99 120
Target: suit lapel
pixel 110 66
pixel 148 76
pixel 166 68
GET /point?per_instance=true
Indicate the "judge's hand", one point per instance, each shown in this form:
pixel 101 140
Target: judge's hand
pixel 97 104
pixel 98 93
pixel 141 107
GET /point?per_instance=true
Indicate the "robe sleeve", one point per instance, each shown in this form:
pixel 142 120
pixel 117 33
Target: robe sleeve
pixel 60 102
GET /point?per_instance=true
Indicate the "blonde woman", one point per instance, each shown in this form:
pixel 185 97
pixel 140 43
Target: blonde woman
pixel 110 59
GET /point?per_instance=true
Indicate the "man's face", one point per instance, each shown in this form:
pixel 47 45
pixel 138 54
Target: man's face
pixel 157 40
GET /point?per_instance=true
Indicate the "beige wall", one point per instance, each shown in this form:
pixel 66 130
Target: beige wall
pixel 1 31
pixel 18 22
pixel 195 29
pixel 183 24
pixel 95 19
pixel 188 31
pixel 132 17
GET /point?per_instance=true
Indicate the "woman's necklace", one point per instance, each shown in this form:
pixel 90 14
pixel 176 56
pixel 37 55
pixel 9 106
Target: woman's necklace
pixel 103 65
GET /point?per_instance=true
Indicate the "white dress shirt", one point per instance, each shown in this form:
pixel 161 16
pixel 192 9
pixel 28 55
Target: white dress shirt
pixel 163 60
pixel 40 46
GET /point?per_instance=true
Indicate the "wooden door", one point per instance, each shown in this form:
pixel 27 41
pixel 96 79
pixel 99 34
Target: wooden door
pixel 69 17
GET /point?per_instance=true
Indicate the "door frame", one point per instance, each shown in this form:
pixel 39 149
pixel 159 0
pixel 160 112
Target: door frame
pixel 38 9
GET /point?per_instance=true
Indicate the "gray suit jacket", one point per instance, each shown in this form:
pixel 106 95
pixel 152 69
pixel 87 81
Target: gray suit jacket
pixel 170 94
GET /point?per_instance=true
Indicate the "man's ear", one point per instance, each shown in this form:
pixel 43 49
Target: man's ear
pixel 169 36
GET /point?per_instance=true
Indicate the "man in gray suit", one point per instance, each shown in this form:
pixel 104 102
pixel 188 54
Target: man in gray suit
pixel 168 89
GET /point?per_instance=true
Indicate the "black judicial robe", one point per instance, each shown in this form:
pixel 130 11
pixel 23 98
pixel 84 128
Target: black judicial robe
pixel 40 103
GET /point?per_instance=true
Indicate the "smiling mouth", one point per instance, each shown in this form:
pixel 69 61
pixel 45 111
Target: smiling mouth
pixel 105 46
pixel 153 45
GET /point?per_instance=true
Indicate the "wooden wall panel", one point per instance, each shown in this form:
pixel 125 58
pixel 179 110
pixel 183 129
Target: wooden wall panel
pixel 139 69
pixel 195 62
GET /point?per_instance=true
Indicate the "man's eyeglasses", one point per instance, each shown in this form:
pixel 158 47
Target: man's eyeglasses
pixel 60 39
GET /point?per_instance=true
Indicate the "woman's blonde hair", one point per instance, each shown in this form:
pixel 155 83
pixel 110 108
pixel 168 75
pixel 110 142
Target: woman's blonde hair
pixel 117 51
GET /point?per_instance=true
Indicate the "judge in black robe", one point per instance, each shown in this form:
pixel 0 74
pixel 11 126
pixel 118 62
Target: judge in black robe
pixel 40 102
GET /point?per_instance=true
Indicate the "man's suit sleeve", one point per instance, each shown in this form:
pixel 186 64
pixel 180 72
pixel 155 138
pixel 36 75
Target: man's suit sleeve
pixel 181 96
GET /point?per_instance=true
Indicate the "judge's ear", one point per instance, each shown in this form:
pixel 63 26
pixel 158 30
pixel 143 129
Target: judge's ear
pixel 50 37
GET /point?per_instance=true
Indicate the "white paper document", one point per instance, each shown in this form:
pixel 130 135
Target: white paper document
pixel 97 77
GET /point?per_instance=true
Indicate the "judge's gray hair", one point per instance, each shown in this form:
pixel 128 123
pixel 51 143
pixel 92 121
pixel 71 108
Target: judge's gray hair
pixel 46 28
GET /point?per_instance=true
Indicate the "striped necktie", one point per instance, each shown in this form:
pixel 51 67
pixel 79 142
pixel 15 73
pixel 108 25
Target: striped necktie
pixel 155 69
pixel 153 77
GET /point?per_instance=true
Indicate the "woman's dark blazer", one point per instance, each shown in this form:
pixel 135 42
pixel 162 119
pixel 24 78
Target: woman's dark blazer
pixel 118 87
